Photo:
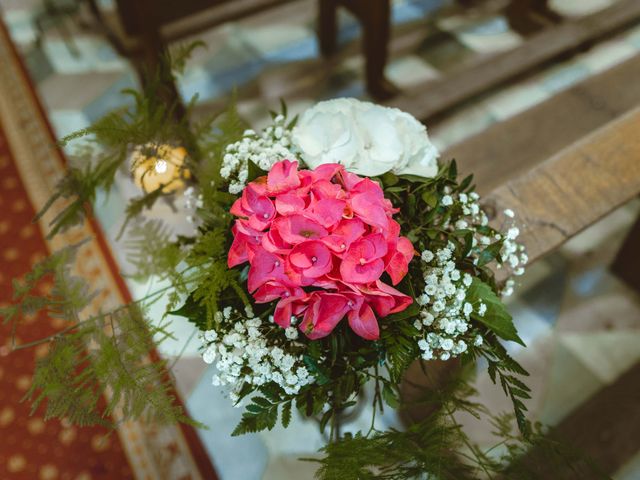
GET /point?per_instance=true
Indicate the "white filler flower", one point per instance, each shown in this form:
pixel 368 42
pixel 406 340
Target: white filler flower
pixel 368 139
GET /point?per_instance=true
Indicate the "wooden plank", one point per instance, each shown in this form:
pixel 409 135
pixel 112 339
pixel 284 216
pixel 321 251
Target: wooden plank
pixel 435 97
pixel 606 428
pixel 570 191
pixel 227 11
pixel 514 146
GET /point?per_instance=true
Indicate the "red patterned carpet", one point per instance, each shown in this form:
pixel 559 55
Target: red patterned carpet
pixel 30 448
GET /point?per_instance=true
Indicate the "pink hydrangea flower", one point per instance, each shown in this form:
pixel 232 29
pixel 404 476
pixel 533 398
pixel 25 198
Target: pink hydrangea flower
pixel 319 242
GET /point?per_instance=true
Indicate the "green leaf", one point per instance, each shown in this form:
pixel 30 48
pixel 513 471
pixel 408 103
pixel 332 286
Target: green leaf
pixel 390 397
pixel 325 419
pixel 193 311
pixel 453 170
pixel 286 414
pixel 260 415
pixel 430 198
pixel 255 171
pixel 465 183
pixel 415 178
pixel 496 318
pixel 406 287
pixel 490 253
pixel 389 179
pixel 320 373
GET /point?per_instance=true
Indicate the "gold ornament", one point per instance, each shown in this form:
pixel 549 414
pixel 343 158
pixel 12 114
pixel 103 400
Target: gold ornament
pixel 159 165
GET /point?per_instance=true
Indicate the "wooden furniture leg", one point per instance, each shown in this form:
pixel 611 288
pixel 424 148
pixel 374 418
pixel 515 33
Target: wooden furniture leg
pixel 530 16
pixel 328 26
pixel 376 26
pixel 626 265
pixel 518 13
pixel 375 18
pixel 152 67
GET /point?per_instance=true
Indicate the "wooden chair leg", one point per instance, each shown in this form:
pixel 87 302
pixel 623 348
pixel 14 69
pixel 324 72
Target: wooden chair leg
pixel 376 26
pixel 327 26
pixel 518 13
pixel 530 16
pixel 626 265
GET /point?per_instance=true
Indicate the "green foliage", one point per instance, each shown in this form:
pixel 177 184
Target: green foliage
pixel 107 357
pixel 97 367
pixel 208 256
pixel 152 252
pixel 260 414
pixel 503 368
pixel 497 317
pixel 401 348
pixel 438 447
pixel 395 455
pixel 223 129
pixel 255 172
pixel 68 295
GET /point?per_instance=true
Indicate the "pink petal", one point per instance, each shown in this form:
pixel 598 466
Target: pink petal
pixel 370 210
pixel 328 211
pixel 406 248
pixel 354 272
pixel 326 189
pixel 283 177
pixel 397 267
pixel 349 180
pixel 401 300
pixel 245 242
pixel 237 210
pixel 295 229
pixel 311 258
pixel 324 313
pixel 273 242
pixel 327 171
pixel 238 253
pixel 271 291
pixel 379 244
pixel 265 266
pixel 364 323
pixel 289 203
pixel 288 307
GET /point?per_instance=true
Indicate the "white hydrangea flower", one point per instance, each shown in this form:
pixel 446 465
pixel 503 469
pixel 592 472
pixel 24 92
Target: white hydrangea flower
pixel 367 139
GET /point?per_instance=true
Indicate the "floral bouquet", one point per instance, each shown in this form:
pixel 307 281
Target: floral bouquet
pixel 328 254
pixel 354 254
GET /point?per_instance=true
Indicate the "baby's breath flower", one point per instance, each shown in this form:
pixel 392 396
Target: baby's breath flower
pixel 242 355
pixel 264 149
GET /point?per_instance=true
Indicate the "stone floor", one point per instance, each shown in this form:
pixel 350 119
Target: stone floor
pixel 581 324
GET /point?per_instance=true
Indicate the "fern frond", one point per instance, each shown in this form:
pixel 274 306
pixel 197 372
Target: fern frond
pixel 106 357
pixel 151 251
pixel 69 294
pixel 112 354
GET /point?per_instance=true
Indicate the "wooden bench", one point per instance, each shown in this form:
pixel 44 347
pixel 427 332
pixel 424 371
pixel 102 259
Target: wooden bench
pixel 479 75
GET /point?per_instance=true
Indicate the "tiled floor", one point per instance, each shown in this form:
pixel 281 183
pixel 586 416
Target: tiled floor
pixel 579 321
